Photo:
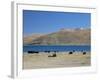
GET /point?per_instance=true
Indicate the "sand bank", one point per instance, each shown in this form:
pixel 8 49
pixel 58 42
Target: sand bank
pixel 63 59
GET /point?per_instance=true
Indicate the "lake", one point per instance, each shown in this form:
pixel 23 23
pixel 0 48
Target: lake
pixel 60 48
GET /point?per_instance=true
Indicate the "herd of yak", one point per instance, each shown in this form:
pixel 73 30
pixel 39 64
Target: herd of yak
pixel 54 54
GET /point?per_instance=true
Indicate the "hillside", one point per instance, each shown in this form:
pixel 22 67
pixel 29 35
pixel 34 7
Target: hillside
pixel 64 37
pixel 29 38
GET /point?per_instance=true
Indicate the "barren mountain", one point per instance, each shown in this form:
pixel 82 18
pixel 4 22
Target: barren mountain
pixel 62 37
pixel 29 39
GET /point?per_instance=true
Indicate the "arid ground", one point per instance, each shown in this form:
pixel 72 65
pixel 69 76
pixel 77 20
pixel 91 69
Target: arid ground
pixel 62 59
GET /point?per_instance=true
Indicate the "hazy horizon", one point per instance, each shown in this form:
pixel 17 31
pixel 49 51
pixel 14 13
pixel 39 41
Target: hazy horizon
pixel 53 32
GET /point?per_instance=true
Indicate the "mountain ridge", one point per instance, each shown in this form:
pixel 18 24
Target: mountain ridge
pixel 64 37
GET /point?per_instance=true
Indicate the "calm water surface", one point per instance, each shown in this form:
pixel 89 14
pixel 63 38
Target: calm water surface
pixel 59 48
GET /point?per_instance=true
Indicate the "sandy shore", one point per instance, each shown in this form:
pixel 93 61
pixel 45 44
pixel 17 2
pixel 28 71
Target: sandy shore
pixel 63 59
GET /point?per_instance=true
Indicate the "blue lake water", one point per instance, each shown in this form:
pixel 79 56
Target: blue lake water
pixel 60 48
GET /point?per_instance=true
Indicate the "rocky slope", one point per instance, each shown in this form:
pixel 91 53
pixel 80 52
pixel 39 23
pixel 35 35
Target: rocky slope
pixel 63 37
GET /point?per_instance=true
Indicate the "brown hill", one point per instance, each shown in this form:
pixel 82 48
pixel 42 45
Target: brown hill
pixel 29 38
pixel 64 37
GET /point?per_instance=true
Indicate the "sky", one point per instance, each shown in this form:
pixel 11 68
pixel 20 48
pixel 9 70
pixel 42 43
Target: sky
pixel 43 22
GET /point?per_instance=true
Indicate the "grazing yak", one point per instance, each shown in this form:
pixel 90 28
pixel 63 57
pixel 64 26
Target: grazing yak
pixel 53 55
pixel 84 53
pixel 70 52
pixel 32 52
pixel 47 51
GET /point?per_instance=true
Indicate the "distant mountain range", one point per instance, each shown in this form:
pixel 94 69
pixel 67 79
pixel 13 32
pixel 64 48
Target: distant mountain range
pixel 61 37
